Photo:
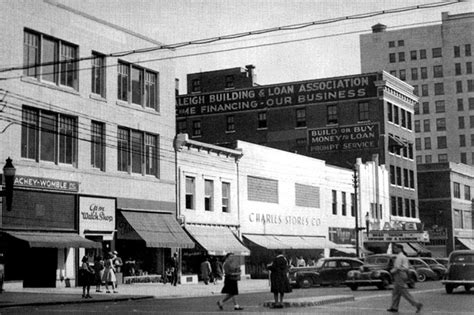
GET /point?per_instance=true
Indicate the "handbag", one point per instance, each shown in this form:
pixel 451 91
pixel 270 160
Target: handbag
pixel 233 276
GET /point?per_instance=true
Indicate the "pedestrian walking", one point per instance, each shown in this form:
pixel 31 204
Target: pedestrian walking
pixel 217 271
pixel 98 272
pixel 109 274
pixel 174 268
pixel 206 270
pixel 400 278
pixel 279 282
pixel 86 273
pixel 231 277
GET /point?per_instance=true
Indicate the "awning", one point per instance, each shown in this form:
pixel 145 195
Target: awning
pixel 217 240
pixel 419 248
pixel 468 242
pixel 290 242
pixel 351 249
pixel 53 239
pixel 158 230
pixel 396 142
pixel 409 251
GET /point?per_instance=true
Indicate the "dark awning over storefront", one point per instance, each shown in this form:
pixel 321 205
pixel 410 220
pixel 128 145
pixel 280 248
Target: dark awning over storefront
pixel 419 248
pixel 217 240
pixel 53 239
pixel 409 251
pixel 290 242
pixel 468 242
pixel 158 230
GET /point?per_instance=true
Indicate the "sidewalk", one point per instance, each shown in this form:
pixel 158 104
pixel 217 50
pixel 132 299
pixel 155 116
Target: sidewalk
pixel 15 295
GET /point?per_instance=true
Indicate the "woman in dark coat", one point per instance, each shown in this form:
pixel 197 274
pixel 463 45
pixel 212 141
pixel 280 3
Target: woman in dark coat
pixel 231 277
pixel 280 284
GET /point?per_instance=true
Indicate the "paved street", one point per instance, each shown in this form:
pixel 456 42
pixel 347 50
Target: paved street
pixel 366 301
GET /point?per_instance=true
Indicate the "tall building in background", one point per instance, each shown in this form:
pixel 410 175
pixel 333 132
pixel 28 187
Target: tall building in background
pixel 438 61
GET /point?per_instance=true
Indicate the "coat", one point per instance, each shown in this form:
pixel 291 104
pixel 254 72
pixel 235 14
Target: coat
pixel 279 275
pixel 205 270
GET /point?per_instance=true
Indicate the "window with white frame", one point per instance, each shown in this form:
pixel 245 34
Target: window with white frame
pixel 343 203
pixel 456 190
pixel 208 195
pixel 98 74
pixel 58 59
pixel 190 191
pixel 334 202
pixel 225 197
pixel 98 145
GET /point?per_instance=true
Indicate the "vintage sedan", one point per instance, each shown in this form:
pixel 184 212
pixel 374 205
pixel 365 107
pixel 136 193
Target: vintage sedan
pixel 423 270
pixel 435 266
pixel 460 271
pixel 328 271
pixel 443 261
pixel 376 272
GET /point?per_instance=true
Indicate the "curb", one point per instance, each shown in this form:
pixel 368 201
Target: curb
pixel 305 302
pixel 118 299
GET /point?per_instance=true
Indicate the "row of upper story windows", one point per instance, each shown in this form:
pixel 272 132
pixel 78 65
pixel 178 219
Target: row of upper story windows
pixel 457 191
pixel 229 83
pixel 400 147
pixel 402 177
pixel 53 137
pixel 441 124
pixel 55 61
pixel 437 72
pixel 438 88
pixel 399 116
pixel 208 195
pixel 422 53
pixel 344 205
pixel 463 219
pixel 403 207
pixel 443 157
pixel 441 141
pixel 441 108
pixel 300 119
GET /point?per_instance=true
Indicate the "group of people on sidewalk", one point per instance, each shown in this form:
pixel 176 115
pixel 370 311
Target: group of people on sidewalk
pixel 102 273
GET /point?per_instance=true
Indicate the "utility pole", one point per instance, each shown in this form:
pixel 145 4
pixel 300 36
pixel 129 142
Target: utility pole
pixel 356 210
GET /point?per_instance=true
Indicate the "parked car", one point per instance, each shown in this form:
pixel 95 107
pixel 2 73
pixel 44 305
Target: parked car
pixel 435 266
pixel 376 272
pixel 328 271
pixel 422 269
pixel 443 261
pixel 460 271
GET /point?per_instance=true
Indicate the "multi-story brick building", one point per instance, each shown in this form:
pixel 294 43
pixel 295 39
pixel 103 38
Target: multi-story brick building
pixel 438 61
pixel 91 137
pixel 335 119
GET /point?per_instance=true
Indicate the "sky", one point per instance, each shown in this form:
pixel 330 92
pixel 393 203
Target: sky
pixel 310 53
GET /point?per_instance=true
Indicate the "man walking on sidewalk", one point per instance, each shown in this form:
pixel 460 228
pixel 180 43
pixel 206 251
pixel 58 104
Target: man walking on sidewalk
pixel 174 265
pixel 400 277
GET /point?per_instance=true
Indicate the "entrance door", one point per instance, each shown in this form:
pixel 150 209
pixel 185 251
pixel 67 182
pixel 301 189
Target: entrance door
pixel 40 269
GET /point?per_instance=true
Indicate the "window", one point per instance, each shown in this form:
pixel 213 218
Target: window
pixel 196 85
pixel 458 86
pixel 470 85
pixel 436 52
pixel 399 206
pixel 396 115
pixel 59 59
pixel 439 106
pixel 392 175
pixel 406 179
pixel 208 195
pixel 401 56
pixel 438 71
pixel 471 122
pixel 190 189
pixel 403 118
pixel 137 85
pixel 392 58
pixel 182 126
pixel 413 208
pixel 418 144
pixel 462 140
pixel 427 141
pixel 457 69
pixel 393 205
pixel 48 136
pixel 334 202
pixel 197 128
pixel 225 197
pixel 461 124
pixel 416 91
pixel 332 114
pixel 401 43
pixel 414 73
pixel 426 125
pixel 137 152
pixel 424 90
pixel 417 126
pixel 390 111
pixel 229 81
pixel 343 203
pixel 457 51
pixel 230 124
pixel 471 103
pixel 467 50
pixel 417 108
pixel 412 179
pixel 428 159
pixel 424 73
pixel 467 192
pixel 426 107
pixel 442 144
pixel 307 196
pixel 300 117
pixel 399 176
pixel 460 105
pixel 352 205
pixel 262 120
pixel 457 190
pixel 391 44
pixel 407 207
pixel 469 67
pixel 98 145
pixel 458 219
pixel 463 158
pixel 413 55
pixel 439 89
pixel 363 111
pixel 422 53
pixel 98 74
pixel 403 75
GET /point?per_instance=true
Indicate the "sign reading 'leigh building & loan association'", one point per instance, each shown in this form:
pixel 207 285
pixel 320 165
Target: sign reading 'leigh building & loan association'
pixel 288 94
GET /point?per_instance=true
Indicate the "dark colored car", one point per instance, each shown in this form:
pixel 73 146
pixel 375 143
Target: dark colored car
pixel 328 271
pixel 443 261
pixel 440 269
pixel 423 270
pixel 460 271
pixel 376 272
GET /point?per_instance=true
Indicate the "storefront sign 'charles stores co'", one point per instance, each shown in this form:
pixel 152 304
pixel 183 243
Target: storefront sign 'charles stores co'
pixel 96 214
pixel 288 94
pixel 342 138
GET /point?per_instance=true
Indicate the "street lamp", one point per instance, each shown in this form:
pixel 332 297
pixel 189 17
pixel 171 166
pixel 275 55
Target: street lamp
pixel 9 172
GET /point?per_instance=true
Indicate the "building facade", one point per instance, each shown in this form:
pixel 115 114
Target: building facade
pixel 437 61
pixel 91 136
pixel 335 119
pixel 446 206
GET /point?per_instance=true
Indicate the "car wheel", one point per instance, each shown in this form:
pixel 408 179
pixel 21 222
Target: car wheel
pixel 449 289
pixel 467 288
pixel 384 284
pixel 305 283
pixel 353 287
pixel 421 277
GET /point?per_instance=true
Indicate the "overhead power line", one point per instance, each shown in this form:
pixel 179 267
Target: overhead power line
pixel 197 42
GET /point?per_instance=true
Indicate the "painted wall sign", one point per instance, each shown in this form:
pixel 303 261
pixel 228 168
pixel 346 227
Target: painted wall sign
pixel 96 214
pixel 288 94
pixel 261 218
pixel 341 235
pixel 46 183
pixel 341 138
pixel 396 236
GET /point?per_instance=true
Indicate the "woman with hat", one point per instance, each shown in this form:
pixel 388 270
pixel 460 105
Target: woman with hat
pixel 109 273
